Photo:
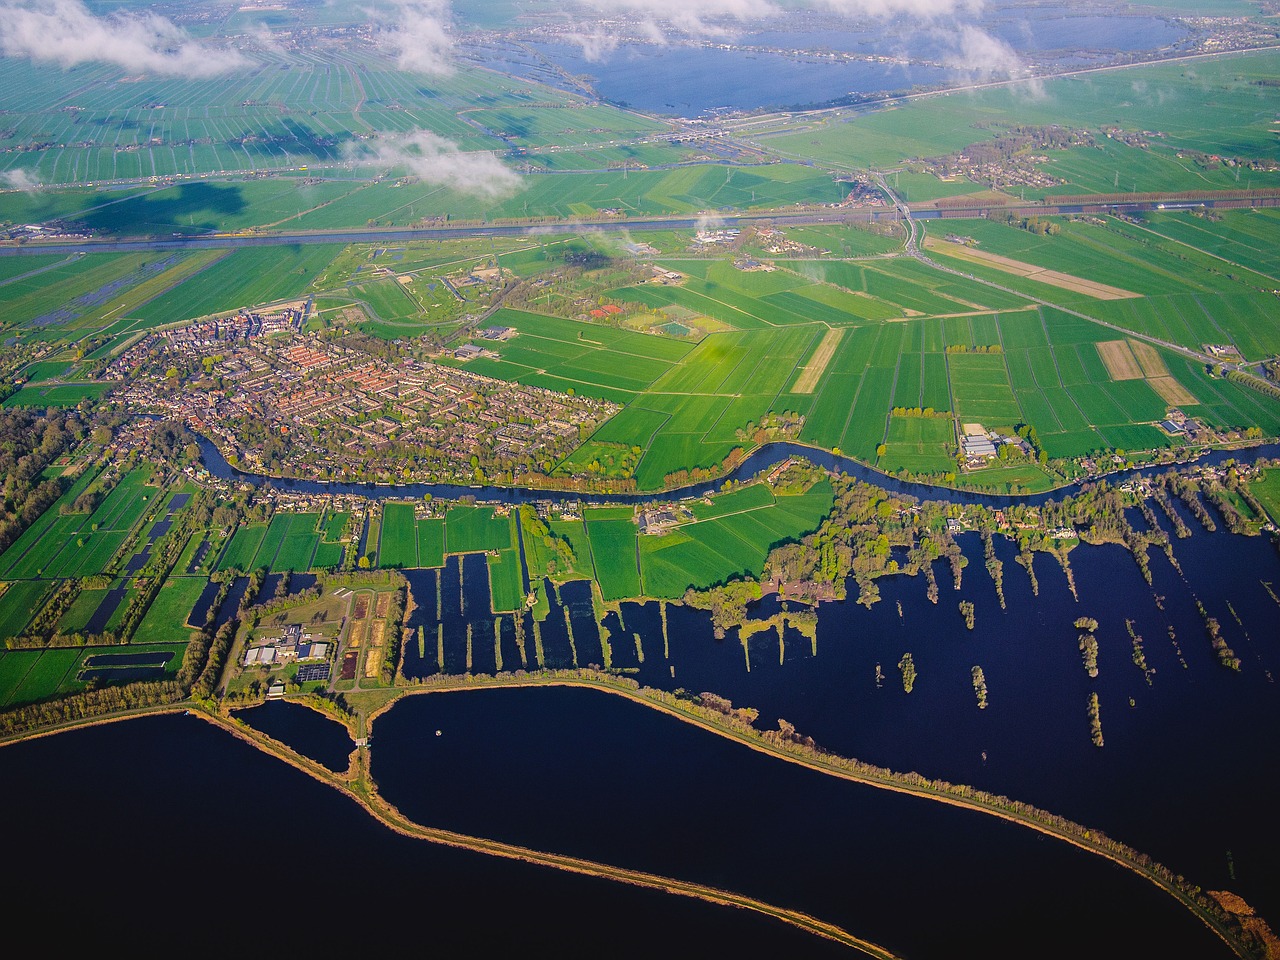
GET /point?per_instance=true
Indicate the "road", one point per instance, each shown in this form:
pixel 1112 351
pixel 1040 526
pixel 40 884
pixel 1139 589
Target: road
pixel 783 216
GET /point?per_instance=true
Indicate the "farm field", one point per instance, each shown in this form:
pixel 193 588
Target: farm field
pixel 166 619
pixel 78 544
pixel 613 551
pixel 729 540
pixel 242 279
pixel 921 445
pixel 20 601
pixel 30 675
pixel 1150 97
pixel 1267 490
pixel 477 530
pixel 1186 297
pixel 505 581
pixel 399 544
pixel 57 395
pixel 596 361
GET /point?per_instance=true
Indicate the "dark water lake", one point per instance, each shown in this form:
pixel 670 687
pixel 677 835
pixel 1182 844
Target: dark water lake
pixel 1183 775
pixel 168 818
pixel 767 66
pixel 306 731
pixel 590 774
pixel 692 81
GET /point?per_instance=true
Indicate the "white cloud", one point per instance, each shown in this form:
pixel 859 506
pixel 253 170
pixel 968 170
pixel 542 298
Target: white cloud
pixel 984 57
pixel 420 39
pixel 261 35
pixel 693 17
pixel 596 46
pixel 20 180
pixel 920 9
pixel 434 159
pixel 66 33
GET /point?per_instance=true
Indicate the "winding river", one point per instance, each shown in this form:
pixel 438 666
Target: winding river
pixel 763 458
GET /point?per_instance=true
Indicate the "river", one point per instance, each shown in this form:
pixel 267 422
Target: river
pixel 763 458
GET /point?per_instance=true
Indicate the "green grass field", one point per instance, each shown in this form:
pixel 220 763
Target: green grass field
pixel 1267 490
pixel 166 619
pixel 240 552
pixel 731 538
pixel 18 604
pixel 57 395
pixel 243 279
pixel 613 551
pixel 505 582
pixel 919 445
pixel 476 530
pixel 399 544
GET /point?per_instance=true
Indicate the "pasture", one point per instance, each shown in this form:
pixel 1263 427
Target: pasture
pixel 166 619
pixel 730 538
pixel 614 553
pixel 244 278
pixel 920 445
pixel 477 530
pixel 398 546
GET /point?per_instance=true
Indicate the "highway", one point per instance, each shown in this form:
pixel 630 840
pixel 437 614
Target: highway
pixel 779 217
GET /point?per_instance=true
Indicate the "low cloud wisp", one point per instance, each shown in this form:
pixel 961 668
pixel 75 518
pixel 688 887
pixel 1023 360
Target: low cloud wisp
pixel 66 33
pixel 434 159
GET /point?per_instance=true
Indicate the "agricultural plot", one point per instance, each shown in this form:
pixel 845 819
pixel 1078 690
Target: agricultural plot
pixel 166 619
pixel 1017 268
pixel 583 125
pixel 57 297
pixel 57 394
pixel 730 538
pixel 431 543
pixel 980 385
pixel 19 602
pixel 593 359
pixel 81 611
pixel 297 545
pixel 575 531
pixel 614 553
pixel 476 530
pixel 1198 116
pixel 1267 491
pixel 77 544
pixel 693 415
pixel 506 581
pixel 920 445
pixel 1244 238
pixel 30 675
pixel 242 549
pixel 244 278
pixel 398 546
pixel 1185 296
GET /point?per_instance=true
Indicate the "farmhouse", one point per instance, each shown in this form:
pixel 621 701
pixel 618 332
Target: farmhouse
pixel 292 645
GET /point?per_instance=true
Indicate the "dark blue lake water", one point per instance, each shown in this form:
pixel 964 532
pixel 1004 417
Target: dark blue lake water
pixel 1182 775
pixel 306 731
pixel 586 773
pixel 768 65
pixel 166 818
pixel 692 81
